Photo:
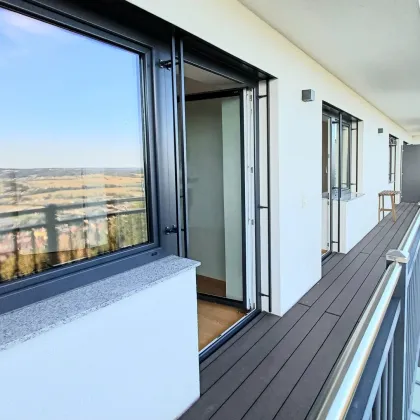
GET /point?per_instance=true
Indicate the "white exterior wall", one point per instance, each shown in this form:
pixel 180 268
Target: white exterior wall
pixel 296 135
pixel 134 359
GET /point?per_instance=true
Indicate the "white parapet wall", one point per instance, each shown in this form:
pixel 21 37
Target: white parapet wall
pixel 136 358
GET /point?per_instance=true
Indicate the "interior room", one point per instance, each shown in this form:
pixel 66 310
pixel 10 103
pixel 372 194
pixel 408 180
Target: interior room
pixel 214 198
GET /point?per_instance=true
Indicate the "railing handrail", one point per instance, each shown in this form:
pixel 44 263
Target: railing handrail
pixel 344 379
pixel 72 220
pixel 82 204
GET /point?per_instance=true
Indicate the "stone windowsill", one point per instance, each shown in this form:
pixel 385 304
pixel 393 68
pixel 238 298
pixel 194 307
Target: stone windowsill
pixel 27 322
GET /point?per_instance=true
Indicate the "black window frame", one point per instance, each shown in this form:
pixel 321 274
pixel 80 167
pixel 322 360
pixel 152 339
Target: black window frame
pixel 392 169
pixel 159 156
pixel 344 119
pixel 347 184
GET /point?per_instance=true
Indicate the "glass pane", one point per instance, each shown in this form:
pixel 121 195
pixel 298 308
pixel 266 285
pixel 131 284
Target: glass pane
pixel 354 158
pixel 72 181
pixel 345 158
pixel 393 152
pixel 215 194
pixel 335 162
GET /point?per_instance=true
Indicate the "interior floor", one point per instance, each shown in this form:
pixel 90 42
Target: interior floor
pixel 214 319
pixel 210 286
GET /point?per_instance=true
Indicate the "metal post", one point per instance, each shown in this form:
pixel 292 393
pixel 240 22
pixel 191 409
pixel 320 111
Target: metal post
pixel 377 404
pixel 384 386
pixel 269 193
pixel 176 137
pixel 340 142
pixel 357 156
pixel 400 337
pixel 391 381
pixel 183 140
pixel 51 224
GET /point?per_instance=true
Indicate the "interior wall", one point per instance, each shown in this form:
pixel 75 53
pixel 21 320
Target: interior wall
pixel 214 190
pixel 205 186
pixel 232 184
pixel 295 136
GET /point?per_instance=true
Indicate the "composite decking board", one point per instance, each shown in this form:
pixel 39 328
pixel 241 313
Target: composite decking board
pixel 307 389
pixel 312 295
pixel 333 276
pixel 261 377
pixel 387 221
pixel 331 263
pixel 369 242
pixel 319 288
pixel 379 237
pixel 347 294
pixel 278 355
pixel 389 215
pixel 209 360
pixel 225 361
pixel 341 302
pixel 274 395
pixel 281 374
pixel 383 246
pixel 396 240
pixel 216 396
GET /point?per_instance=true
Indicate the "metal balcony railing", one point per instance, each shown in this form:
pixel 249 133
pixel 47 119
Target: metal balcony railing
pixel 375 375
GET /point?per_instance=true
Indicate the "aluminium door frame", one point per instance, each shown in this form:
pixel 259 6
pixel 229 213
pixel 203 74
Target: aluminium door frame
pixel 181 55
pixel 330 185
pixel 340 118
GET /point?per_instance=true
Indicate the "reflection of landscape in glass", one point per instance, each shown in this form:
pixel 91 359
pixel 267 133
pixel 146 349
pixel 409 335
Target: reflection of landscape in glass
pixel 89 212
pixel 71 158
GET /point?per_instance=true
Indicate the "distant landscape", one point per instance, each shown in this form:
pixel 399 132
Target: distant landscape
pixel 96 210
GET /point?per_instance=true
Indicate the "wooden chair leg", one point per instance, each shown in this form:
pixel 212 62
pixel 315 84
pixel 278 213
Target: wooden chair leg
pixel 379 209
pixel 394 214
pixel 383 207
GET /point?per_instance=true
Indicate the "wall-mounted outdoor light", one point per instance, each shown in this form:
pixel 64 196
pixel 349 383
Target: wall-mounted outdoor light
pixel 308 95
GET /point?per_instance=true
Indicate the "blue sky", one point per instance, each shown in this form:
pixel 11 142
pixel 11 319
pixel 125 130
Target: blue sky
pixel 66 100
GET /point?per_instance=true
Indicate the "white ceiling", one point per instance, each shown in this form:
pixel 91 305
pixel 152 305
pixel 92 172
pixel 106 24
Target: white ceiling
pixel 204 76
pixel 371 45
pixel 198 80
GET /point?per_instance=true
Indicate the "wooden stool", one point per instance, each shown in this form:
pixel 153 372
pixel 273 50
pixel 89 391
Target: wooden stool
pixel 382 209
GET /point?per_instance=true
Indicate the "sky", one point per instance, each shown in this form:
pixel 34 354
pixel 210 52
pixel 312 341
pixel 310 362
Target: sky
pixel 66 100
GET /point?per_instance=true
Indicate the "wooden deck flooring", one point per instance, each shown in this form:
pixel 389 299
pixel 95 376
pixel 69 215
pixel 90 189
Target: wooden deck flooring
pixel 275 368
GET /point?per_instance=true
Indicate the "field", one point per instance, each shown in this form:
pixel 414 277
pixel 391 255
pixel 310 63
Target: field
pixel 54 216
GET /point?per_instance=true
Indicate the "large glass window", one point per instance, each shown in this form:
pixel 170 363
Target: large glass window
pixel 345 147
pixel 72 161
pixel 345 157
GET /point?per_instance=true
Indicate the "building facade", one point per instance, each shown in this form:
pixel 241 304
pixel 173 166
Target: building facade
pixel 177 155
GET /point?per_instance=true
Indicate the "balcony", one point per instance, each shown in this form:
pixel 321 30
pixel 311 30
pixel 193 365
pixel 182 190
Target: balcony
pixel 333 353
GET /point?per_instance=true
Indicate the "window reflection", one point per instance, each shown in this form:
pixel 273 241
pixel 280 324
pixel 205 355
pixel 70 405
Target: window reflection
pixel 345 158
pixel 72 175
